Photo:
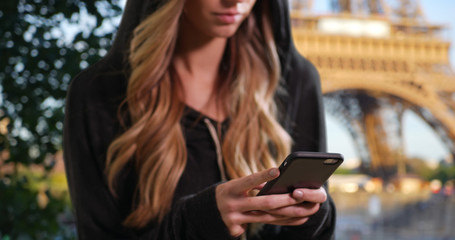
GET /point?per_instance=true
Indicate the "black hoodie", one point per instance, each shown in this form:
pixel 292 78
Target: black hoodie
pixel 91 124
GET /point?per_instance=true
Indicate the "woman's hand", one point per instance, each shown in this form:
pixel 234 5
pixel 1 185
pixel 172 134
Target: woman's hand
pixel 238 209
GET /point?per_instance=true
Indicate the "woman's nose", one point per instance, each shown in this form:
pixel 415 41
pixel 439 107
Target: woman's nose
pixel 232 2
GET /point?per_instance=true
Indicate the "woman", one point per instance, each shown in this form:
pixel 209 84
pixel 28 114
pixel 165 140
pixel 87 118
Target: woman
pixel 168 136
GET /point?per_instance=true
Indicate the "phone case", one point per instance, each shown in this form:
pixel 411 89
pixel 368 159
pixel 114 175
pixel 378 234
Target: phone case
pixel 303 170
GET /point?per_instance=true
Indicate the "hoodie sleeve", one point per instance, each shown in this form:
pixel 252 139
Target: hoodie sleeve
pixel 307 127
pixel 90 125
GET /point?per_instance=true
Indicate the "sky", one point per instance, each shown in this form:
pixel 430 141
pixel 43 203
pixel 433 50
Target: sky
pixel 420 139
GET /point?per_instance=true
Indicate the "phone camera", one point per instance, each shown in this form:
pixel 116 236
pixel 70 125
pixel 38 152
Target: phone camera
pixel 331 161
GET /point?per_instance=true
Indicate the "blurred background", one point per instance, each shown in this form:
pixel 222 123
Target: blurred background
pixel 389 90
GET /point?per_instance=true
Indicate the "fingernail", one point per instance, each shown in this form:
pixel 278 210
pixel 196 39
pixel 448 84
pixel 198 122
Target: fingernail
pixel 273 172
pixel 298 194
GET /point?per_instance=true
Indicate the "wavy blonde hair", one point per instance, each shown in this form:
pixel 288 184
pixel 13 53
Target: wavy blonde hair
pixel 155 142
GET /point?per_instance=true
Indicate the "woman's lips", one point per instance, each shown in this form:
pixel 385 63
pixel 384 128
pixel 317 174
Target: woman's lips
pixel 228 18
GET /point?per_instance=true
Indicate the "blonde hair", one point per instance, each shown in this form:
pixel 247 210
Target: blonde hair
pixel 155 140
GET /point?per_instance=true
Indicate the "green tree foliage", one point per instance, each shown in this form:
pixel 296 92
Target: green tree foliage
pixel 444 172
pixel 419 167
pixel 43 45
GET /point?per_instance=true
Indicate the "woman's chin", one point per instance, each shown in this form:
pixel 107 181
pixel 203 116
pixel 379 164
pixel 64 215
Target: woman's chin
pixel 224 31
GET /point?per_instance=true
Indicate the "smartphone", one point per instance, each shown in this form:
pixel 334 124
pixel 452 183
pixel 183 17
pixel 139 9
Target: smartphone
pixel 303 170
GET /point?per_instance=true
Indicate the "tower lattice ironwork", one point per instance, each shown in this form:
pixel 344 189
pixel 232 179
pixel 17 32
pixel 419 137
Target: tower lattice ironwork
pixel 376 60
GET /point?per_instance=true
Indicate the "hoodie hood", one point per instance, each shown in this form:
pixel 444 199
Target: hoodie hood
pixel 137 10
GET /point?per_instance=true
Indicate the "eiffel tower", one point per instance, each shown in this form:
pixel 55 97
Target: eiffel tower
pixel 377 60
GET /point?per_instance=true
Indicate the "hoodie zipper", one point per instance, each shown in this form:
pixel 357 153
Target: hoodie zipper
pixel 216 140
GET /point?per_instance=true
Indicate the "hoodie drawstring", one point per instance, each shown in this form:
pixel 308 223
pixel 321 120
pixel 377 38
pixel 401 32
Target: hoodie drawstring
pixel 216 140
